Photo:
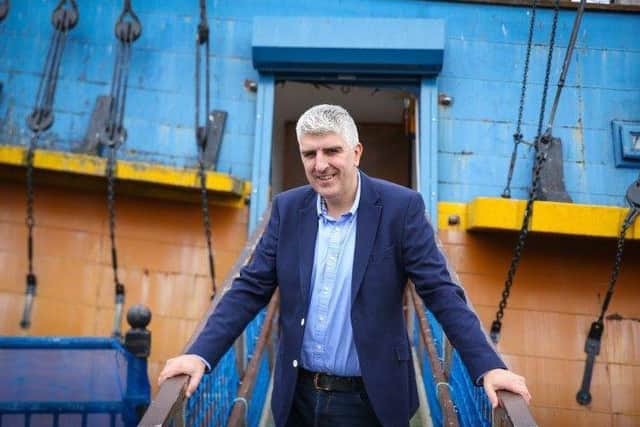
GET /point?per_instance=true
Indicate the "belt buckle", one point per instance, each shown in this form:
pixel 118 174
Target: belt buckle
pixel 316 377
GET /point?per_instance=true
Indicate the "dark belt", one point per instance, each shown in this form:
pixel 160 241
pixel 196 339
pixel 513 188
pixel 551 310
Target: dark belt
pixel 328 382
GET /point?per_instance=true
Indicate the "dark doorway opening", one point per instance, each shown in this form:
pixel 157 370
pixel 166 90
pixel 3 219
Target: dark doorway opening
pixel 385 117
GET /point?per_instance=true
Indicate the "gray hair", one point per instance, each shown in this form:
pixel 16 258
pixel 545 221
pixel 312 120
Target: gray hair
pixel 327 119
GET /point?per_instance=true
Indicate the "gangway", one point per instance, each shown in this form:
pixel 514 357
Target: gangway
pixel 234 393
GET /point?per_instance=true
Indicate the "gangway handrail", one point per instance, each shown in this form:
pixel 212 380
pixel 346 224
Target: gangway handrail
pixel 512 411
pixel 450 419
pixel 168 405
pixel 238 417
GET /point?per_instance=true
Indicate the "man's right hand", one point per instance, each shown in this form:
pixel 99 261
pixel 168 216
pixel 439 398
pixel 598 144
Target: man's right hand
pixel 187 364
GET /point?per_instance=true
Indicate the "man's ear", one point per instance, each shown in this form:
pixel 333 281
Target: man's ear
pixel 357 150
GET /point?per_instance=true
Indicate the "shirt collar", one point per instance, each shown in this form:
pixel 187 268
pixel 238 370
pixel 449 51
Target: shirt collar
pixel 321 203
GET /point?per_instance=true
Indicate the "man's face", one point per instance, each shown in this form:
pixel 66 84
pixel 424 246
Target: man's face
pixel 330 165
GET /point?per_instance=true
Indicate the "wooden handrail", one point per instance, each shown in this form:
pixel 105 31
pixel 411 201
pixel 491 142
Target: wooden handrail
pixel 513 411
pixel 449 417
pixel 171 397
pixel 240 406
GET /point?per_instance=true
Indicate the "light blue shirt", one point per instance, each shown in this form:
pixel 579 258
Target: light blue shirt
pixel 328 344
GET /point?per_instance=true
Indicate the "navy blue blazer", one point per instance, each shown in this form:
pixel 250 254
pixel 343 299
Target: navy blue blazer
pixel 394 242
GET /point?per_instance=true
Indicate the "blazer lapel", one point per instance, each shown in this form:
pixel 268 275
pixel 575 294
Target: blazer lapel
pixel 368 219
pixel 307 234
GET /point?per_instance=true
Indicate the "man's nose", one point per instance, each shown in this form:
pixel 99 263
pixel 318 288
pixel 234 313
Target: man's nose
pixel 321 162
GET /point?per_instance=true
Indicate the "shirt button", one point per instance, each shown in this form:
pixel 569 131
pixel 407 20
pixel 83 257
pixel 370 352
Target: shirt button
pixel 302 322
pixel 295 363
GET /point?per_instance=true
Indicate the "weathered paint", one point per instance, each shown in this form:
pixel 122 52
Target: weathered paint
pixel 162 261
pixel 558 292
pixel 482 68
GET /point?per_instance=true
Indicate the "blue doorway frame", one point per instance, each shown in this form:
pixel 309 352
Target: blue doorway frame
pixel 427 148
pixel 327 48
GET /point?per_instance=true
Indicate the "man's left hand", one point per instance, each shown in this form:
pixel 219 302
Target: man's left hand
pixel 501 379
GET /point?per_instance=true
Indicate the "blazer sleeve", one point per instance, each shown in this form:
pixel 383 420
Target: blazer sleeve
pixel 250 292
pixel 426 266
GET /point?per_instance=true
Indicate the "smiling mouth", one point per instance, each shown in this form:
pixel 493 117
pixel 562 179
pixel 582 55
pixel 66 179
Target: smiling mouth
pixel 325 178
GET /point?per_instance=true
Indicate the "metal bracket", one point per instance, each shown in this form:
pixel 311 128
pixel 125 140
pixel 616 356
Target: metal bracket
pixel 633 194
pixel 4 9
pixel 592 348
pixel 551 186
pixel 215 128
pixel 97 124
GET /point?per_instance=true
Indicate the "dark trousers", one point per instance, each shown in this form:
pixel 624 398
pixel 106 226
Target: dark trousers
pixel 319 408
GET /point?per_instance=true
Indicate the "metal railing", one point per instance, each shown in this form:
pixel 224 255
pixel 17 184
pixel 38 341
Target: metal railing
pixel 80 381
pixel 512 412
pixel 453 398
pixel 221 397
pixel 243 413
pixel 441 404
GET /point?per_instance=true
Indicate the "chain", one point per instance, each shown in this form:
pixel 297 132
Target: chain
pixel 63 19
pixel 628 222
pixel 127 30
pixel 202 41
pixel 634 210
pixel 30 291
pixel 207 224
pixel 496 326
pixel 593 341
pixel 111 199
pixel 517 136
pixel 30 221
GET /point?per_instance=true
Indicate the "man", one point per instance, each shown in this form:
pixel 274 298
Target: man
pixel 341 250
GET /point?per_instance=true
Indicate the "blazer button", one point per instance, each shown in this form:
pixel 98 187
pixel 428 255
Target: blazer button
pixel 295 363
pixel 302 322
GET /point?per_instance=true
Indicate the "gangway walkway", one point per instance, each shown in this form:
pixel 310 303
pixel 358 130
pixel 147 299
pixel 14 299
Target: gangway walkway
pixel 235 392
